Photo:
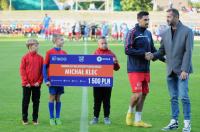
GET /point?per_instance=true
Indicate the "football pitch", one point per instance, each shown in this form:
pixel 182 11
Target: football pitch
pixel 156 109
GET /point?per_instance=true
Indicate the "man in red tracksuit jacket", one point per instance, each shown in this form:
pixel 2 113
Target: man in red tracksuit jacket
pixel 31 77
pixel 103 94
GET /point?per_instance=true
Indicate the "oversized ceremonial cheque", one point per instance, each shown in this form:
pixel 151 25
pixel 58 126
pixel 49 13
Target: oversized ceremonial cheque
pixel 81 70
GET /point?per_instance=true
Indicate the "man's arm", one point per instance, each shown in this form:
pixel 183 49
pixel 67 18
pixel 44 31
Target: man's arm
pixel 160 53
pixel 149 56
pixel 129 46
pixel 187 57
pixel 160 57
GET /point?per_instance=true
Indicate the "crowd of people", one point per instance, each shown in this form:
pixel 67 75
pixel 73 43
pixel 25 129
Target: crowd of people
pixel 78 30
pixel 71 30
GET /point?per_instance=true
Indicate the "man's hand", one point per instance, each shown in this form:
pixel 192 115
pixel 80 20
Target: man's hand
pixel 36 84
pixel 48 84
pixel 28 85
pixel 148 56
pixel 184 75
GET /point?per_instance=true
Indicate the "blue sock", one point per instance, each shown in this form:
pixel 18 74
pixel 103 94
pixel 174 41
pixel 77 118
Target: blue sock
pixel 51 109
pixel 58 108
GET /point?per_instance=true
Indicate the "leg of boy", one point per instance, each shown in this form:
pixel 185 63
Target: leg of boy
pixel 59 92
pixel 106 105
pixel 58 109
pixel 58 106
pixel 36 101
pixel 53 91
pixel 51 106
pixel 98 98
pixel 106 101
pixel 97 93
pixel 25 103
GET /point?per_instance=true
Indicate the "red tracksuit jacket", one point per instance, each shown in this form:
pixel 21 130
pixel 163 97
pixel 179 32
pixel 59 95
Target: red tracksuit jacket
pixel 108 52
pixel 31 69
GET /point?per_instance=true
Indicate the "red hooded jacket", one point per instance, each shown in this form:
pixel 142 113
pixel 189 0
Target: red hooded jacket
pixel 108 52
pixel 31 69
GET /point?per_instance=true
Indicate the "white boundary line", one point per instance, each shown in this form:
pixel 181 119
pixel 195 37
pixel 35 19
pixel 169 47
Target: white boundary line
pixel 84 107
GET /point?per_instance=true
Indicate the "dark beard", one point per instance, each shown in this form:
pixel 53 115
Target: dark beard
pixel 169 24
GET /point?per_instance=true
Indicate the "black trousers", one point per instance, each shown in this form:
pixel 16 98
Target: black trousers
pixel 102 94
pixel 35 91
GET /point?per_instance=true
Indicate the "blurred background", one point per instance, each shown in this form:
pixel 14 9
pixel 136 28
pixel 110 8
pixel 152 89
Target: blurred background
pixel 90 19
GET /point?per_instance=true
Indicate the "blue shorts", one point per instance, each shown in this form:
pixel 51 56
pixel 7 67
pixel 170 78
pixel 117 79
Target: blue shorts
pixel 56 90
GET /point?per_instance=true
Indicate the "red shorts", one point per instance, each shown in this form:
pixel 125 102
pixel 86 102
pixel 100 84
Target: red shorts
pixel 121 34
pixel 115 35
pixel 70 34
pixel 78 34
pixel 139 82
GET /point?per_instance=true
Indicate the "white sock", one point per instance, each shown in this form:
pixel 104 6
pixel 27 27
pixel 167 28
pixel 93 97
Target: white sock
pixel 186 123
pixel 138 116
pixel 130 109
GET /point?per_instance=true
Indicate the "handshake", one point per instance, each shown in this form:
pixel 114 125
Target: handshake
pixel 149 56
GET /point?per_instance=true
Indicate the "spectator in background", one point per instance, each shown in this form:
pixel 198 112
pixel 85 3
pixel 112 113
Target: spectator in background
pixel 86 32
pixel 98 32
pixel 124 31
pixel 104 29
pixel 93 32
pixel 69 31
pixel 82 27
pixel 77 31
pixel 46 22
pixel 114 31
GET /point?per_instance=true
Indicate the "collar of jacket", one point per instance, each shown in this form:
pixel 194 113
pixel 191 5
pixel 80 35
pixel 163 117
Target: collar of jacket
pixel 57 49
pixel 102 49
pixel 178 25
pixel 142 29
pixel 32 53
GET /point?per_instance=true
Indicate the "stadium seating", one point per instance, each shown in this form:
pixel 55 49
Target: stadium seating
pixel 33 5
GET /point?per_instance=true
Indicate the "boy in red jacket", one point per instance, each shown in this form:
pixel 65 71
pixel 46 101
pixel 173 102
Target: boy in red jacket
pixel 103 94
pixel 55 92
pixel 31 76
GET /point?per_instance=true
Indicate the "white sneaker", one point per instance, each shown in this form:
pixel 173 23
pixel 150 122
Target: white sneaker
pixel 94 121
pixel 187 126
pixel 107 121
pixel 173 125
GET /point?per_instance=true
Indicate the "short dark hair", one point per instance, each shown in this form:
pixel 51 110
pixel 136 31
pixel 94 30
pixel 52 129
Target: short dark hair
pixel 141 14
pixel 174 11
pixel 102 38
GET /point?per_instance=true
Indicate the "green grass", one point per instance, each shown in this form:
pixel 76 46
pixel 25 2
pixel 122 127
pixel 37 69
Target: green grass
pixel 156 109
